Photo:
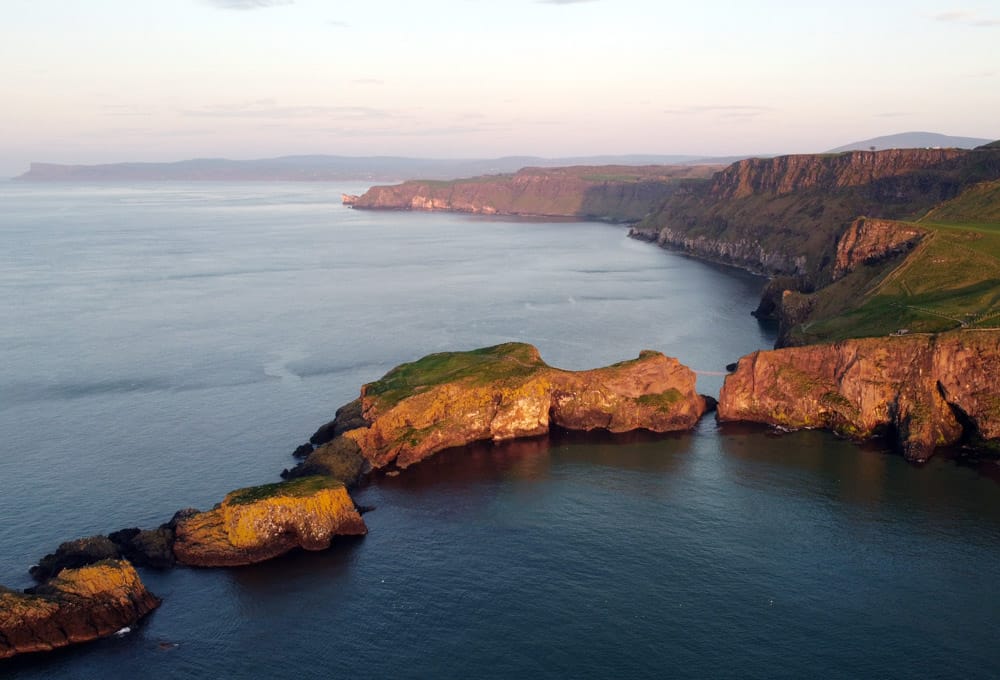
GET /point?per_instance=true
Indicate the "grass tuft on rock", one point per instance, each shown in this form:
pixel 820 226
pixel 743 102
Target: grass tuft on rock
pixel 295 488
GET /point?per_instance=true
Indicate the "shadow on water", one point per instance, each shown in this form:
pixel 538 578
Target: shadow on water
pixel 868 474
pixel 299 569
pixel 483 463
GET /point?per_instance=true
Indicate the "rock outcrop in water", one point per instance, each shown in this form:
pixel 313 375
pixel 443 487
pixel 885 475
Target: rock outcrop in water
pixel 617 193
pixel 78 605
pixel 259 523
pixel 506 392
pixel 924 390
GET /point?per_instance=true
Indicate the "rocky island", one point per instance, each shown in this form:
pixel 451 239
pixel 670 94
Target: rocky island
pixel 88 590
pixel 78 605
pixel 498 393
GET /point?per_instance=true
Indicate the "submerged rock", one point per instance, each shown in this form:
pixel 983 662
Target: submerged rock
pixel 507 392
pixel 347 417
pixel 78 605
pixel 303 450
pixel 927 390
pixel 146 547
pixel 261 522
pixel 340 459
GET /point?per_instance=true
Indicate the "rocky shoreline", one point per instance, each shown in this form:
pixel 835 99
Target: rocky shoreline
pixel 89 588
pixel 924 390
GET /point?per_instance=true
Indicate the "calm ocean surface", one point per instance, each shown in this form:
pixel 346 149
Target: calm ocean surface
pixel 161 345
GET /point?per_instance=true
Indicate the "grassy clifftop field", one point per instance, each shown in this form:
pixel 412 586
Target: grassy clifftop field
pixel 950 279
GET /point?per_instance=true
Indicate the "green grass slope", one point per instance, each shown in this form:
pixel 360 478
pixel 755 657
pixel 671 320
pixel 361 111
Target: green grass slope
pixel 950 280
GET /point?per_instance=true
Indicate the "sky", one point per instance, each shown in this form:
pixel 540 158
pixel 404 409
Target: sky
pixel 97 81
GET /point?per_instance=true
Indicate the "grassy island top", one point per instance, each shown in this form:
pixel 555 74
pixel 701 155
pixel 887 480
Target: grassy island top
pixel 296 488
pixel 509 361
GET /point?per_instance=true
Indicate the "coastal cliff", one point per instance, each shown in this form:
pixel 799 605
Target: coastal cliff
pixel 925 391
pixel 615 193
pixel 789 174
pixel 259 523
pixel 506 392
pixel 869 241
pixel 78 605
pixel 784 216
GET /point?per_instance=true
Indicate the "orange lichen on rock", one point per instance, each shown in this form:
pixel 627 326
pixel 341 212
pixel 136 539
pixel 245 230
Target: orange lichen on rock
pixel 262 522
pixel 506 392
pixel 930 390
pixel 78 605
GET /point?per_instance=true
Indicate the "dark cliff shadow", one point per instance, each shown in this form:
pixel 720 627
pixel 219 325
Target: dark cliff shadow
pixel 868 474
pixel 533 459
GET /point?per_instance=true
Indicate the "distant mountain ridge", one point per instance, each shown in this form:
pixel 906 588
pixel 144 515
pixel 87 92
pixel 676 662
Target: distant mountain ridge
pixel 324 168
pixel 913 140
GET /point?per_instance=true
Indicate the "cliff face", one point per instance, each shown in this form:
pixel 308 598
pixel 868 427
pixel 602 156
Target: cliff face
pixel 506 392
pixel 788 174
pixel 78 605
pixel 926 390
pixel 785 216
pixel 259 523
pixel 868 241
pixel 748 253
pixel 619 193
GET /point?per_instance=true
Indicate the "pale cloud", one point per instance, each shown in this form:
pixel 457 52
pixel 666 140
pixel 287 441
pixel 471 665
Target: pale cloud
pixel 368 81
pixel 967 17
pixel 247 4
pixel 125 110
pixel 264 109
pixel 892 114
pixel 338 24
pixel 721 110
pixel 562 2
pixel 416 131
pixel 954 15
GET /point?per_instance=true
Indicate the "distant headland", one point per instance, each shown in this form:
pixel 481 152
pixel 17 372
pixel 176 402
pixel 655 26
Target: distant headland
pixel 323 168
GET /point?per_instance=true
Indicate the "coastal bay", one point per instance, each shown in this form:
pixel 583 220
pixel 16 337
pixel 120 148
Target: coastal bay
pixel 253 312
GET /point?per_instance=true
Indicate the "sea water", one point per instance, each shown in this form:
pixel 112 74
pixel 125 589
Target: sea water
pixel 163 344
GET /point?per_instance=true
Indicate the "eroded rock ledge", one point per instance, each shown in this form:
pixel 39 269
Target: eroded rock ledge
pixel 78 605
pixel 259 523
pixel 925 391
pixel 499 393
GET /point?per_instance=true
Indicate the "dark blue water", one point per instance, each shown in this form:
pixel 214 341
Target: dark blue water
pixel 162 345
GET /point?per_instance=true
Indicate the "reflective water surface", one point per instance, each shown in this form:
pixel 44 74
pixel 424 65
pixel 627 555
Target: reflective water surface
pixel 161 345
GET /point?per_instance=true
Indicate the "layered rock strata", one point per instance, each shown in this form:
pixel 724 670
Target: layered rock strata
pixel 869 241
pixel 78 605
pixel 925 391
pixel 784 216
pixel 259 523
pixel 506 392
pixel 787 174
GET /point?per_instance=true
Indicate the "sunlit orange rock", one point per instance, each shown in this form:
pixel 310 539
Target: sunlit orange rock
pixel 924 390
pixel 78 605
pixel 507 392
pixel 259 523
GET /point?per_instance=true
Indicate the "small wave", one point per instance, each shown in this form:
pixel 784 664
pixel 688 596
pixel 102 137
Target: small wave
pixel 27 392
pixel 306 369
